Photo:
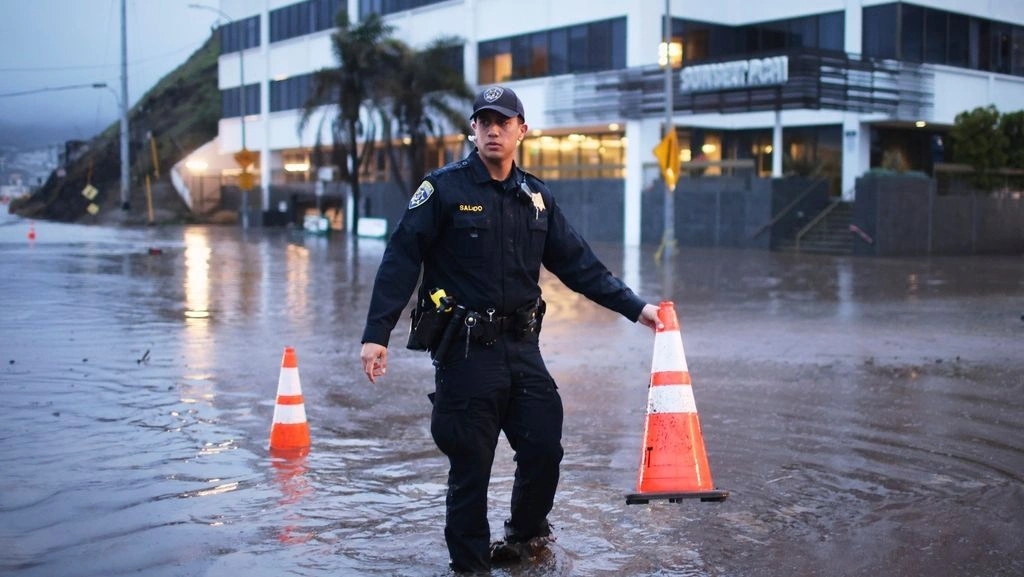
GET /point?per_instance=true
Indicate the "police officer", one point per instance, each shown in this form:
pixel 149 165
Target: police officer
pixel 480 229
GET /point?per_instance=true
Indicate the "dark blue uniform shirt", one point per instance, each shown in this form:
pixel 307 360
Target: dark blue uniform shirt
pixel 483 242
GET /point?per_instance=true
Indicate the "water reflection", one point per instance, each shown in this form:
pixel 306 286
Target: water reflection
pixel 290 478
pixel 197 275
pixel 297 265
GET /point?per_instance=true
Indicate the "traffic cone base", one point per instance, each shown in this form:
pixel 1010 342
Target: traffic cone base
pixel 705 496
pixel 290 430
pixel 673 463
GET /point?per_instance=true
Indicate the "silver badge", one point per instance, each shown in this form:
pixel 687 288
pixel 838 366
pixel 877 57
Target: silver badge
pixel 493 94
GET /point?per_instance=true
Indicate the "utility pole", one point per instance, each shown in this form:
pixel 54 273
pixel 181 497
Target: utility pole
pixel 125 160
pixel 668 241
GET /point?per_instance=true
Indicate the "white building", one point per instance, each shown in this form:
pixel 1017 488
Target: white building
pixel 840 86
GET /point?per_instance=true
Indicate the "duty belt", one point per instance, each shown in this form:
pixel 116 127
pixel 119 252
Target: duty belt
pixel 486 327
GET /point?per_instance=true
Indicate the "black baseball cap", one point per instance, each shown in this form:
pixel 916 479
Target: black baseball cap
pixel 499 99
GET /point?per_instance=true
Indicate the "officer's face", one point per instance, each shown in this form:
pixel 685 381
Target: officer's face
pixel 497 135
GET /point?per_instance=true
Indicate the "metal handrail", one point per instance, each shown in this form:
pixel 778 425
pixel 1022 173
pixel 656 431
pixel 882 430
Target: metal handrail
pixel 788 208
pixel 863 235
pixel 814 221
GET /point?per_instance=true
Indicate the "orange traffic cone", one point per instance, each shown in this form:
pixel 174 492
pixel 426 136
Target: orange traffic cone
pixel 31 231
pixel 673 464
pixel 289 433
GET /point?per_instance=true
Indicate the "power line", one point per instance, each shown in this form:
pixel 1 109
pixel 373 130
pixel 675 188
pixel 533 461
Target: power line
pixel 95 66
pixel 53 89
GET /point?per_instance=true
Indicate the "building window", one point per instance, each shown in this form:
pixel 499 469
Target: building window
pixel 495 61
pixel 911 33
pixel 936 31
pixel 880 31
pixel 303 18
pixel 704 41
pixel 231 106
pixel 959 40
pixel 290 93
pixel 590 47
pixel 240 35
pixel 575 156
pixel 832 32
pixel 915 34
pixel 384 7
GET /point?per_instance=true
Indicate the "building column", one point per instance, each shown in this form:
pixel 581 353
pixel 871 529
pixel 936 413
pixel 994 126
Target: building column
pixel 853 161
pixel 634 184
pixel 777 146
pixel 641 138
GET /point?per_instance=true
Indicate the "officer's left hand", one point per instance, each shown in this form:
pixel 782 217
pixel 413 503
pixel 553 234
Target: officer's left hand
pixel 649 317
pixel 375 360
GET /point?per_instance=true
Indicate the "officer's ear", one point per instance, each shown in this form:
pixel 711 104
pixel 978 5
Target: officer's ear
pixel 523 128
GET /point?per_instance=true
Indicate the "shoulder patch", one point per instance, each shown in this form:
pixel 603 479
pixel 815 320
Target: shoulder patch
pixel 422 194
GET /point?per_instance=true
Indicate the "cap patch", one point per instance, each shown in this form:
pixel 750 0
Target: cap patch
pixel 421 195
pixel 493 93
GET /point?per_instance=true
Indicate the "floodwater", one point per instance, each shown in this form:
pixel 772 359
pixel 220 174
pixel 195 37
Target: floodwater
pixel 864 414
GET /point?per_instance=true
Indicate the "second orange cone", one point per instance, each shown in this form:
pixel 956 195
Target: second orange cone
pixel 290 430
pixel 673 463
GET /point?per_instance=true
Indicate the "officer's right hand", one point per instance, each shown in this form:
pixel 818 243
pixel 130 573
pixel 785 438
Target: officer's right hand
pixel 375 360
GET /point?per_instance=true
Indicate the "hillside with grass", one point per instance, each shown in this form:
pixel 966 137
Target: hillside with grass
pixel 180 112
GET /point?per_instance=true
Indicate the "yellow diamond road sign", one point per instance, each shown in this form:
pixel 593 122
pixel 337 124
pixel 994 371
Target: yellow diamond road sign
pixel 667 153
pixel 90 191
pixel 245 157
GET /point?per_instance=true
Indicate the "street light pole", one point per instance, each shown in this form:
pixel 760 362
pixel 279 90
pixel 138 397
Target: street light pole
pixel 668 241
pixel 241 104
pixel 125 179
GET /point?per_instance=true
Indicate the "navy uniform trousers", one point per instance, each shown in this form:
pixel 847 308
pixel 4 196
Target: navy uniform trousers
pixel 504 387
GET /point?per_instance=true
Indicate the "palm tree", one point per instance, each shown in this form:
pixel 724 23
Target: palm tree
pixel 365 52
pixel 427 98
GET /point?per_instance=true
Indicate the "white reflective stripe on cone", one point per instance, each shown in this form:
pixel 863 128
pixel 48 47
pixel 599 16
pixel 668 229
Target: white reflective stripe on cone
pixel 289 414
pixel 288 383
pixel 668 353
pixel 671 399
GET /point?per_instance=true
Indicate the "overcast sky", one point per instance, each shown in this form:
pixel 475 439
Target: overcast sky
pixel 49 44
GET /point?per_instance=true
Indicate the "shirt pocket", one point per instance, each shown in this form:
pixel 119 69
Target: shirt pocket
pixel 537 229
pixel 472 236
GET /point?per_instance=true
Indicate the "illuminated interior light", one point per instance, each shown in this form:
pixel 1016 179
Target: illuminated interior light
pixel 196 165
pixel 296 166
pixel 675 54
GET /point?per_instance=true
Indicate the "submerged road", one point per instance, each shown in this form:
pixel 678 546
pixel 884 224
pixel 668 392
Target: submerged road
pixel 863 413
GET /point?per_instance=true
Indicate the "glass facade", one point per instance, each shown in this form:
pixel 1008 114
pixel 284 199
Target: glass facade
pixel 240 35
pixel 290 93
pixel 303 18
pixel 913 33
pixel 231 105
pixel 705 40
pixel 575 156
pixel 812 151
pixel 590 47
pixel 384 7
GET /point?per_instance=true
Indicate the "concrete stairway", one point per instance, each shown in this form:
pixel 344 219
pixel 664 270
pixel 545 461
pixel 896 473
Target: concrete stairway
pixel 831 235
